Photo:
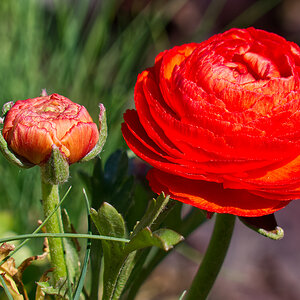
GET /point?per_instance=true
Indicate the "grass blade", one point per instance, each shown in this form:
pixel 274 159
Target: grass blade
pixel 87 253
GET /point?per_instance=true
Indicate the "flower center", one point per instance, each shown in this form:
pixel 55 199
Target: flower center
pixel 52 107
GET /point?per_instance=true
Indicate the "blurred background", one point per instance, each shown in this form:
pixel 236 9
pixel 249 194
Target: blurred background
pixel 91 51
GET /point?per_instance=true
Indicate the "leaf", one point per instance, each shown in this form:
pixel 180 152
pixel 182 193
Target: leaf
pixel 47 288
pixel 162 238
pixel 72 260
pixel 60 289
pixel 110 223
pixel 155 208
pixel 40 294
pixel 169 238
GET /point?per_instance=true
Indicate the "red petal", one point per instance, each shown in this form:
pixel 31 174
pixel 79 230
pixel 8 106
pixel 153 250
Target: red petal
pixel 212 196
pixel 35 144
pixel 80 140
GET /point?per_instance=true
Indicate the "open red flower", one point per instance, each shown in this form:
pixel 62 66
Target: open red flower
pixel 220 122
pixel 33 126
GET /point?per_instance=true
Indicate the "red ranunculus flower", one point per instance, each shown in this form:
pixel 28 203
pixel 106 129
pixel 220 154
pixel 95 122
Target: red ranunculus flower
pixel 33 126
pixel 220 122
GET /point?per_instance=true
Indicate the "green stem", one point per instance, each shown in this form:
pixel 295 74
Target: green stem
pixel 213 259
pixel 50 198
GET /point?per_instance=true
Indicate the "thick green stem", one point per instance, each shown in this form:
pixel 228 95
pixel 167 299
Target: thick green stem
pixel 213 259
pixel 50 199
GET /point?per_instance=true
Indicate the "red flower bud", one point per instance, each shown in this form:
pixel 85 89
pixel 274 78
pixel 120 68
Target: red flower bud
pixel 33 126
pixel 219 122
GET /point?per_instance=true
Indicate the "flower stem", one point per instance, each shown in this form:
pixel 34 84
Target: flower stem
pixel 213 259
pixel 50 198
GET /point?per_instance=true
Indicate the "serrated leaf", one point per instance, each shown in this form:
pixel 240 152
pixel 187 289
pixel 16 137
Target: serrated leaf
pixel 59 290
pixel 47 288
pixel 155 208
pixel 162 238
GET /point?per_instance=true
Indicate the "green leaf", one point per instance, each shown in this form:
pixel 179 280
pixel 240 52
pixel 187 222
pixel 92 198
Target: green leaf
pixel 162 238
pixel 47 288
pixel 155 208
pixel 119 259
pixel 169 238
pixel 72 260
pixel 60 290
pixel 109 222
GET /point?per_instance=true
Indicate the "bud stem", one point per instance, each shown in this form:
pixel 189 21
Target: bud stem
pixel 50 199
pixel 213 259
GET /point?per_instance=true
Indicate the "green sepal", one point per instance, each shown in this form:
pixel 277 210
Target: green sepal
pixel 264 225
pixel 10 156
pixel 6 107
pixel 102 136
pixel 163 238
pixel 56 169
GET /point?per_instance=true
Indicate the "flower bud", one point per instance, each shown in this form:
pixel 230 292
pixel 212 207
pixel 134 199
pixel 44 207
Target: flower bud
pixel 33 127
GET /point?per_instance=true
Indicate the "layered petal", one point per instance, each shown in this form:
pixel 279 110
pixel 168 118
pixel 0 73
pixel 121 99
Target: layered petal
pixel 223 114
pixel 212 196
pixel 33 126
